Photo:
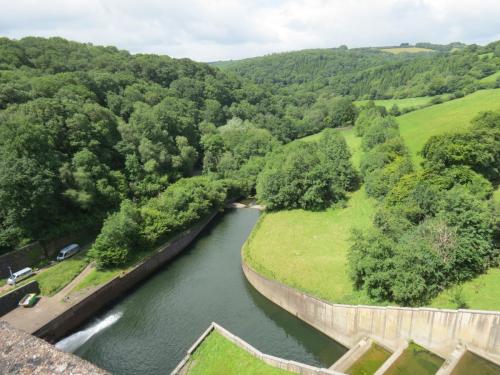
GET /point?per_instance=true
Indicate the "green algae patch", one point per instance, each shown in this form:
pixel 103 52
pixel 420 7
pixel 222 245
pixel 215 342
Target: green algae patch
pixel 369 362
pixel 217 355
pixel 415 360
pixel 471 363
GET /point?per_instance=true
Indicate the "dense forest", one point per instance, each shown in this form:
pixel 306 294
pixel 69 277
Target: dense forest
pixel 143 146
pixel 84 128
pixel 371 73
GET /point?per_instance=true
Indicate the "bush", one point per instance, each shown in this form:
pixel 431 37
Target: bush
pixel 478 148
pixel 379 132
pixel 380 181
pixel 180 206
pixel 119 238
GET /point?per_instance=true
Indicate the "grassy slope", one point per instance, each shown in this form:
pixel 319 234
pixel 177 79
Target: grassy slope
pixel 217 355
pixel 491 78
pixel 416 127
pixel 309 248
pixel 307 245
pixel 401 103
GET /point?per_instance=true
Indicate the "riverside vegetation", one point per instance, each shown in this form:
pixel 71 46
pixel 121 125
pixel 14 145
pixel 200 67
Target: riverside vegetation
pixel 97 137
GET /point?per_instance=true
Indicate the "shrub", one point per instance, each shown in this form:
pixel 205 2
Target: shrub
pixel 119 238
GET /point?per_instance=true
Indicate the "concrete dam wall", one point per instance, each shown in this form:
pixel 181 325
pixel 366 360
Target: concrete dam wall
pixel 438 330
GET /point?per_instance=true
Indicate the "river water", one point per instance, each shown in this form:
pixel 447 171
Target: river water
pixel 150 330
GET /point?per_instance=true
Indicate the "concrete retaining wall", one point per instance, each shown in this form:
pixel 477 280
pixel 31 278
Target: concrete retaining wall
pixel 9 301
pixel 438 330
pixel 33 253
pixel 99 298
pixel 24 257
pixel 291 366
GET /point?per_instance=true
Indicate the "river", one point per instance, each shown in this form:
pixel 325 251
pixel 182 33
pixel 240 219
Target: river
pixel 149 330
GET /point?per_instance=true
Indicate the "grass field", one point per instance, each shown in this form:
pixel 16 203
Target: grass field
pixel 491 78
pixel 308 250
pixel 416 127
pixel 401 103
pixel 398 50
pixel 97 277
pixel 217 355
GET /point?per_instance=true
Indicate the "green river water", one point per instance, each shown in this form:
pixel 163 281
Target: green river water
pixel 149 330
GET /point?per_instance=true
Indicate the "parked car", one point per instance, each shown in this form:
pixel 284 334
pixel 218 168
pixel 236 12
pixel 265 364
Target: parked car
pixel 29 300
pixel 68 251
pixel 19 275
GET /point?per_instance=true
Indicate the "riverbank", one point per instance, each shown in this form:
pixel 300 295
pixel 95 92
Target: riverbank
pixel 437 329
pixel 52 318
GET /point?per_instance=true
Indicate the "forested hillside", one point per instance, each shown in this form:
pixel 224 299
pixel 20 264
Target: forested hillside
pixel 83 128
pixel 370 73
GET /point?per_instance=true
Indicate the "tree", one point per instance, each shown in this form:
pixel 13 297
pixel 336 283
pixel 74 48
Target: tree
pixel 120 237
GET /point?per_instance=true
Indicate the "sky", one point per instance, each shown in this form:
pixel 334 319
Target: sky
pixel 211 30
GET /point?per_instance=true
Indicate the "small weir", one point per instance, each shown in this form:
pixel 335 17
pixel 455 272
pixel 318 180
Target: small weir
pixel 150 329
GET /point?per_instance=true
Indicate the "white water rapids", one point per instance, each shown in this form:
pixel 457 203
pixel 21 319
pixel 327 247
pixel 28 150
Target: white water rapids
pixel 77 339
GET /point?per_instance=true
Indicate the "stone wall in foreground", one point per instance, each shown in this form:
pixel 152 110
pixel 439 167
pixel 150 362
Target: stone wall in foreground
pixel 21 353
pixel 436 329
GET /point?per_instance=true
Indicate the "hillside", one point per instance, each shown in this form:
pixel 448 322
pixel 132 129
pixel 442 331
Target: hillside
pixel 310 248
pixel 84 128
pixel 371 73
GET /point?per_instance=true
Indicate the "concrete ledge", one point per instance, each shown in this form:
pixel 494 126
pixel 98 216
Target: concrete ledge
pixel 291 366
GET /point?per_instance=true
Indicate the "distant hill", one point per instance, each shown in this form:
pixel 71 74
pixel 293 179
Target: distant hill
pixel 375 73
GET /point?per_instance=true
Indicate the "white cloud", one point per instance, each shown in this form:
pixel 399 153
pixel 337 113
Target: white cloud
pixel 209 30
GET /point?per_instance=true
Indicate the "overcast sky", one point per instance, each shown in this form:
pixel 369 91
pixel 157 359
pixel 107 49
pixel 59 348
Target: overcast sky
pixel 209 30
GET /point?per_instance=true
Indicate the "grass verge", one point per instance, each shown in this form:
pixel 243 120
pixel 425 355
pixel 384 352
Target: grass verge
pixel 217 355
pixel 97 277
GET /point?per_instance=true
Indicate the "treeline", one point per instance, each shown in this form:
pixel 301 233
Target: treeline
pixel 369 73
pixel 83 128
pixel 435 226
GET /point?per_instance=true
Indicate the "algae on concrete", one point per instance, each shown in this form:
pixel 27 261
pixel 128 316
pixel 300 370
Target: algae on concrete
pixel 471 363
pixel 370 361
pixel 415 360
